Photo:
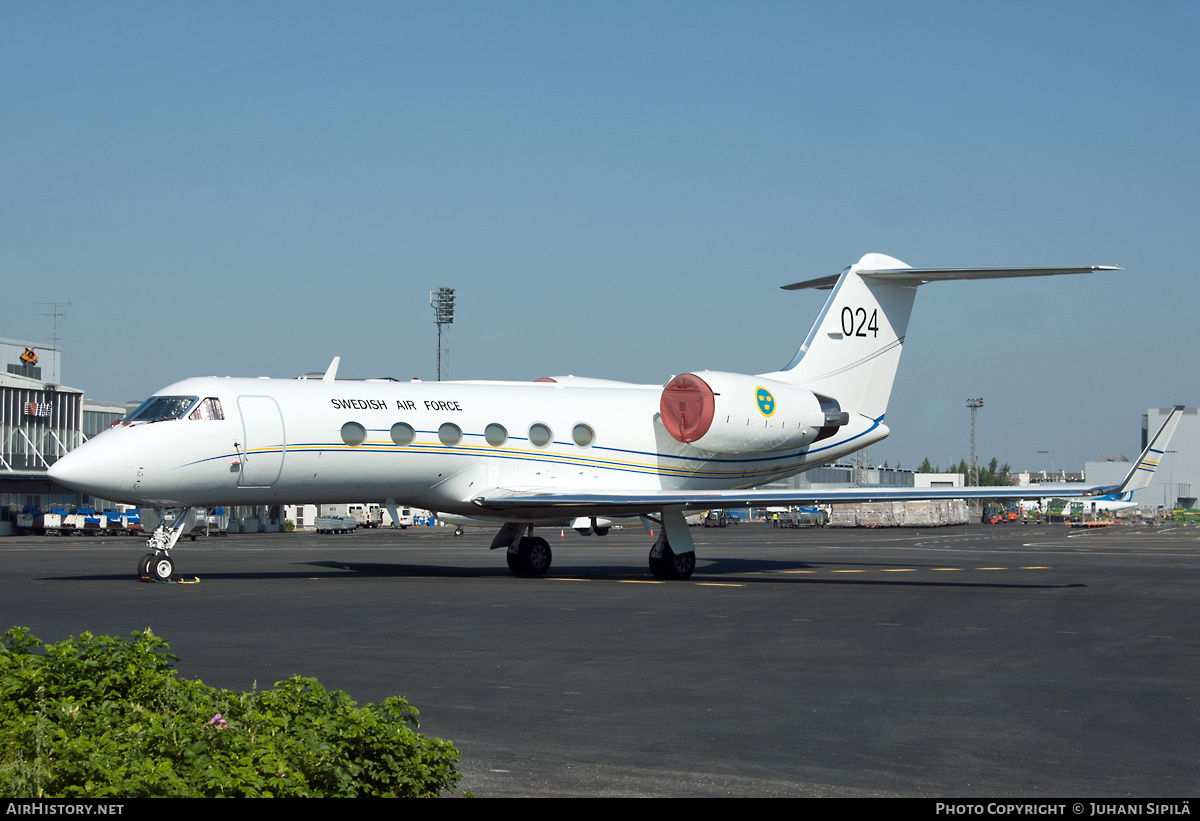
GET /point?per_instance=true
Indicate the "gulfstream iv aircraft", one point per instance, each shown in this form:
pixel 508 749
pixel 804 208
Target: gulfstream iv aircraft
pixel 520 454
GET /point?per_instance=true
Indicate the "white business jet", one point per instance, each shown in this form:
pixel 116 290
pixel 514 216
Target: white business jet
pixel 521 454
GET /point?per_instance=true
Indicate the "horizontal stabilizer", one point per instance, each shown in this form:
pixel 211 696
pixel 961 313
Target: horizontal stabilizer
pixel 920 276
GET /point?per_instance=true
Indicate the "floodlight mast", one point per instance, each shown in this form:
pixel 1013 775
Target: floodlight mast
pixel 973 475
pixel 442 302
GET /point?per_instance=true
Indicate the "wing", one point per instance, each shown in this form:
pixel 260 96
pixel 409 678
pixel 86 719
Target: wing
pixel 541 503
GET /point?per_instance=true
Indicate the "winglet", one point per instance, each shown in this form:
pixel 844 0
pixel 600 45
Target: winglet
pixel 331 371
pixel 1143 469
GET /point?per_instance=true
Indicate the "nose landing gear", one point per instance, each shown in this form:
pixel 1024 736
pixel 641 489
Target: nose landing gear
pixel 158 565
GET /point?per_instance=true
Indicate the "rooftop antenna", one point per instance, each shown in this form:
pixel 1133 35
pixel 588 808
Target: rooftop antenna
pixel 442 302
pixel 56 312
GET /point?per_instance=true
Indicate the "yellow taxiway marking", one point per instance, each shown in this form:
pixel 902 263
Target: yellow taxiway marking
pixel 565 579
pixel 797 571
pixel 991 568
pixel 899 569
pixel 639 581
pixel 718 584
pixel 947 568
pixel 849 571
pixel 1036 567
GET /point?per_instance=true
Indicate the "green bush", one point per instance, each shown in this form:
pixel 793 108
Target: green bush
pixel 99 716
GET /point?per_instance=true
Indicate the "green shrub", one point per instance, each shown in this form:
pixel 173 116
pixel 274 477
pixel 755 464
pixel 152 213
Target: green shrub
pixel 99 716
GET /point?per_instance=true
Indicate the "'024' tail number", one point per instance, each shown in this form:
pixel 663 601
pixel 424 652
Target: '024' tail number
pixel 856 323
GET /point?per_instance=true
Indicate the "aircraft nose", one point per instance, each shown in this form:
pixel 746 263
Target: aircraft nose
pixel 91 468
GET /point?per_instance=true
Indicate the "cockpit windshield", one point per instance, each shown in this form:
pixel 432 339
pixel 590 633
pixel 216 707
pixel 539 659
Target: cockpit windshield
pixel 160 408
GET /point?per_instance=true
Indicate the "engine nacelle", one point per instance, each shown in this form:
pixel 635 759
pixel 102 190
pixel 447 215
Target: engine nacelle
pixel 736 413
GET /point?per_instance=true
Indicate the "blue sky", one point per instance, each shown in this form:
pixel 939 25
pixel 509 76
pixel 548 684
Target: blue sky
pixel 616 190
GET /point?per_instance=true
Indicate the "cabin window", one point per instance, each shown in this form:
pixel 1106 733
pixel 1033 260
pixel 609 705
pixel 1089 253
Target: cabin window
pixel 539 434
pixel 450 434
pixel 583 435
pixel 209 409
pixel 495 434
pixel 353 434
pixel 160 408
pixel 403 434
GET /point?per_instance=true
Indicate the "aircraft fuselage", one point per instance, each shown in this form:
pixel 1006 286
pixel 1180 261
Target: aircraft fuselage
pixel 296 441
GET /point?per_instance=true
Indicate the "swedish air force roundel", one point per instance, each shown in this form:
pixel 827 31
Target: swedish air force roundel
pixel 766 402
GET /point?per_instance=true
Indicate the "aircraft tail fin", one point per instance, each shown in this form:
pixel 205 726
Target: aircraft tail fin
pixel 853 349
pixel 1142 472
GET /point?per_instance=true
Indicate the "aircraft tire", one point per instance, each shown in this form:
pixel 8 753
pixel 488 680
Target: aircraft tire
pixel 144 566
pixel 514 561
pixel 535 556
pixel 679 565
pixel 600 531
pixel 672 565
pixel 161 568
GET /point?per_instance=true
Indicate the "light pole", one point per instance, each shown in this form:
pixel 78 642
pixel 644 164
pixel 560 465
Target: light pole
pixel 973 476
pixel 442 302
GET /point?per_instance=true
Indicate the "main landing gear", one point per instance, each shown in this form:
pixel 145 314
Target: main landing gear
pixel 532 556
pixel 527 555
pixel 667 564
pixel 158 566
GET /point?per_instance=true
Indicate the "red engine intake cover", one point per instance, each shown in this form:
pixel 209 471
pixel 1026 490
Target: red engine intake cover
pixel 687 407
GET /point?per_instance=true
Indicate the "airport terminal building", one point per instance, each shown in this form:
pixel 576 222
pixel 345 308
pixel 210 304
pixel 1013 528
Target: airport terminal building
pixel 40 421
